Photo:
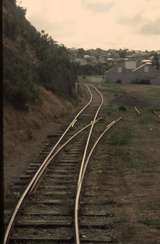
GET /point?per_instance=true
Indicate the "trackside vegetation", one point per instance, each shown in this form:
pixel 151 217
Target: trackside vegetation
pixel 32 59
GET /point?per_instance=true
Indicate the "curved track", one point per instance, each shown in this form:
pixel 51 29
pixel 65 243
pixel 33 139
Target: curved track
pixel 81 178
pixel 39 172
pixel 82 167
pixel 55 223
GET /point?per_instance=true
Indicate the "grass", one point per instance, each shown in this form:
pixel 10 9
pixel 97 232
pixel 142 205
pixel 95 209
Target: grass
pixel 146 118
pixel 133 155
pixel 111 109
pixel 116 109
pixel 152 222
pixel 152 206
pixel 122 137
pixel 133 149
pixel 136 162
pixel 148 93
pixel 122 108
pixel 113 88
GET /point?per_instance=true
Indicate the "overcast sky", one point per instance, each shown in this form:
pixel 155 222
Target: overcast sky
pixel 133 24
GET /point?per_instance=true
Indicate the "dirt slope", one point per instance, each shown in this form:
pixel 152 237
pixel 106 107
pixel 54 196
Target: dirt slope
pixel 25 131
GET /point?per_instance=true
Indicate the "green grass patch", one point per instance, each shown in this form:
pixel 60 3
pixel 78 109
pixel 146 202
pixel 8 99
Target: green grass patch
pixel 111 109
pixel 121 137
pixel 152 222
pixel 113 88
pixel 136 163
pixel 114 108
pixel 152 206
pixel 135 159
pixel 122 108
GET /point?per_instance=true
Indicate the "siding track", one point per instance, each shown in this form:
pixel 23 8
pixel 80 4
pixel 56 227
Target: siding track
pixel 45 210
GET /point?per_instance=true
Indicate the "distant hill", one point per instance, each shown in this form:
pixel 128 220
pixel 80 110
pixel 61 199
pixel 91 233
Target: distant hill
pixel 32 59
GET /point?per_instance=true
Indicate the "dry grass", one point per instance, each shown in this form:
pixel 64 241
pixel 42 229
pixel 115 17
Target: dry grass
pixel 25 131
pixel 134 149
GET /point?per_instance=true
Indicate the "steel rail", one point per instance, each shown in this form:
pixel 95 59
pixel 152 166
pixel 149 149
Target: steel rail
pixel 108 127
pixel 27 190
pixel 34 187
pixel 65 132
pixel 156 113
pixel 137 110
pixel 39 176
pixel 90 133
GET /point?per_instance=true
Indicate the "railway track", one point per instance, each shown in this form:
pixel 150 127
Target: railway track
pixel 48 207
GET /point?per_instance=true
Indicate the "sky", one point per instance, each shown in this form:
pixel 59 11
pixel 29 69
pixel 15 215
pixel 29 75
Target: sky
pixel 106 24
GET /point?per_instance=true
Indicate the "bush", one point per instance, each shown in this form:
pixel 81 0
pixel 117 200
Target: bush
pixel 32 59
pixel 143 82
pixel 19 77
pixel 122 108
pixel 20 95
pixel 119 82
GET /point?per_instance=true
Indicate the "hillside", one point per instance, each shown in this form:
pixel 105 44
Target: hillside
pixel 32 59
pixel 38 81
pixel 24 132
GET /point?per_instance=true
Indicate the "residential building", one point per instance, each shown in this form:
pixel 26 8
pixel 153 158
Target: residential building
pixel 134 71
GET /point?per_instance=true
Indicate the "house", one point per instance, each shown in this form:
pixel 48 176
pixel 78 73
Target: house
pixel 80 61
pixel 134 71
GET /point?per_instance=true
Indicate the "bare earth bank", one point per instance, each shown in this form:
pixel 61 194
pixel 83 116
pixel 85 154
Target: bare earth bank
pixel 25 132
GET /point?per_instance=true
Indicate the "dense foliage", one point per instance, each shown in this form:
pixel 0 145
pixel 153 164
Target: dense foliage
pixel 32 59
pixel 155 61
pixel 90 69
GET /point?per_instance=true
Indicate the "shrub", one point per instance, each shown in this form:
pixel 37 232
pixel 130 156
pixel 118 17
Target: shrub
pixel 122 108
pixel 143 82
pixel 32 59
pixel 19 77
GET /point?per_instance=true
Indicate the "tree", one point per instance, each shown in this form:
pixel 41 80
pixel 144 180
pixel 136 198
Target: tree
pixel 155 61
pixel 123 53
pixel 81 52
pixel 32 59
